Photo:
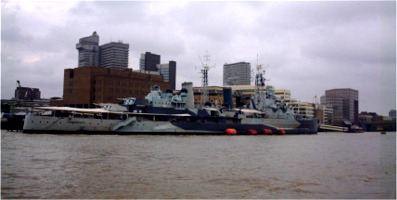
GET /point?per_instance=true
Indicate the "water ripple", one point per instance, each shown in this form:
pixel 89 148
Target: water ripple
pixel 331 165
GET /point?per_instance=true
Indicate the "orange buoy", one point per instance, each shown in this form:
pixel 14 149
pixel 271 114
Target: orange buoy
pixel 267 131
pixel 230 131
pixel 252 131
pixel 281 131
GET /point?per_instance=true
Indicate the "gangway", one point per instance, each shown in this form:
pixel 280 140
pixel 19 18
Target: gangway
pixel 334 128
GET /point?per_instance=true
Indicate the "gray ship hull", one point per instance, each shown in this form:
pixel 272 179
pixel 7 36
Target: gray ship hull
pixel 311 125
pixel 165 124
pixel 214 126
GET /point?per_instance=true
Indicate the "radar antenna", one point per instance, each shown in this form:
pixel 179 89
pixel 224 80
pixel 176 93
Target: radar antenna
pixel 259 77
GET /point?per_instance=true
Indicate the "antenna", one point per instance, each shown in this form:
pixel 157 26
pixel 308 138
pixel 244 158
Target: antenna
pixel 259 78
pixel 204 76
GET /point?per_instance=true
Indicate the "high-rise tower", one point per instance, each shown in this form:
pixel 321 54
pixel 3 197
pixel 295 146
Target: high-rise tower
pixel 114 55
pixel 237 74
pixel 168 71
pixel 344 103
pixel 110 55
pixel 149 61
pixel 88 48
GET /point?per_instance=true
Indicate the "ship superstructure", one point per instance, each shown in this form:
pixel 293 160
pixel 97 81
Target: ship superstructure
pixel 277 110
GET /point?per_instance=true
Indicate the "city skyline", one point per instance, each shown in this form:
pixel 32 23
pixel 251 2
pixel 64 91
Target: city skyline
pixel 307 47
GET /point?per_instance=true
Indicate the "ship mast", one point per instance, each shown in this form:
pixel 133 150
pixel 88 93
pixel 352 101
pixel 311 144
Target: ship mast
pixel 259 79
pixel 204 77
pixel 260 96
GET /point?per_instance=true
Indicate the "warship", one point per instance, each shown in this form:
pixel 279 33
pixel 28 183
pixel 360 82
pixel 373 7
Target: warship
pixel 175 113
pixel 167 113
pixel 161 113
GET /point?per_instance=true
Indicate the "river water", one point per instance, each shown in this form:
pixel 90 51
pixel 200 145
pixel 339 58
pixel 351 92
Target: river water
pixel 326 165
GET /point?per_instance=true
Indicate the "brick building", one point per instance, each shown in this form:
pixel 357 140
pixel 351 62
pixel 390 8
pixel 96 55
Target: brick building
pixel 85 86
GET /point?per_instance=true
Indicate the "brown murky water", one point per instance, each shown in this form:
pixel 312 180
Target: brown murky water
pixel 327 165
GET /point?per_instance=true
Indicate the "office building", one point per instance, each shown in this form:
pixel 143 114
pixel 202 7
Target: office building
pixel 283 94
pixel 215 95
pixel 110 55
pixel 392 113
pixel 324 114
pixel 344 103
pixel 84 86
pixel 304 109
pixel 168 71
pixel 237 74
pixel 27 93
pixel 88 48
pixel 114 55
pixel 149 62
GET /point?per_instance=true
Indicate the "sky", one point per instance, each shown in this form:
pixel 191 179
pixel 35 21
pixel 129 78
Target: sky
pixel 306 47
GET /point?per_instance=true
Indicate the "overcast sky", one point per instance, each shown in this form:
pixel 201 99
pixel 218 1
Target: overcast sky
pixel 307 47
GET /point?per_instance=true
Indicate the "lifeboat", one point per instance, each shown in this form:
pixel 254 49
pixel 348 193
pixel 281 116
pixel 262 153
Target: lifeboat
pixel 230 131
pixel 252 132
pixel 281 131
pixel 267 131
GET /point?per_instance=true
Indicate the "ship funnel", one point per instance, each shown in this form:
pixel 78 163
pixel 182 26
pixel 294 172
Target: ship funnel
pixel 227 97
pixel 190 95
